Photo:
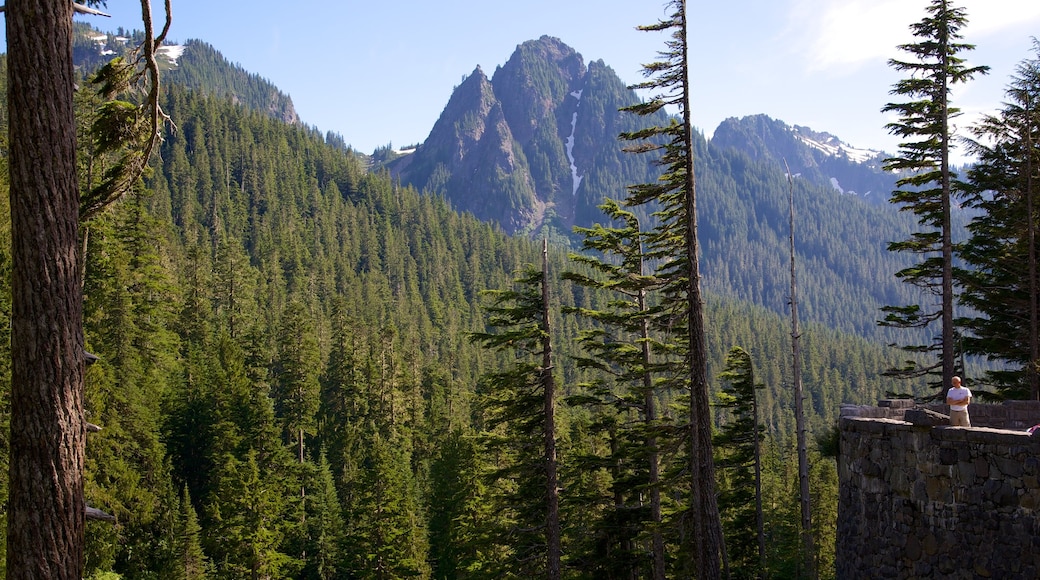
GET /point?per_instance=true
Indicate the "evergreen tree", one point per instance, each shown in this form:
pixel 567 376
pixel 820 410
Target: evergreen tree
pixel 324 528
pixel 1002 284
pixel 459 510
pixel 192 563
pixel 45 522
pixel 248 517
pixel 521 409
pixel 738 448
pixel 929 185
pixel 386 537
pixel 296 371
pixel 623 349
pixel 674 244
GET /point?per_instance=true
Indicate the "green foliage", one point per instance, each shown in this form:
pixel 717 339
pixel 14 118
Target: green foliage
pixel 519 408
pixel 192 563
pixel 1001 279
pixel 738 457
pixel 625 399
pixel 675 245
pixel 928 186
pixel 257 257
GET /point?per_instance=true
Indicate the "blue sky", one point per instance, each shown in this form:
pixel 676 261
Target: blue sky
pixel 381 72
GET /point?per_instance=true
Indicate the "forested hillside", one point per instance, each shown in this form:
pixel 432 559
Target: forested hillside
pixel 535 149
pixel 262 285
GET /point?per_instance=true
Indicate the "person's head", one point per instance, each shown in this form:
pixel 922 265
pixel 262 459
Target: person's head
pixel 956 381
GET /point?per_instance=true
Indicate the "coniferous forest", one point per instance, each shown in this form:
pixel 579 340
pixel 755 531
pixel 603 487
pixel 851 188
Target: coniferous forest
pixel 308 370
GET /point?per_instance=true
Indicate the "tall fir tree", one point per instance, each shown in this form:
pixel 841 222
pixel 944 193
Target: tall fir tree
pixel 192 563
pixel 738 448
pixel 929 185
pixel 622 348
pixel 296 372
pixel 1001 283
pixel 521 410
pixel 674 245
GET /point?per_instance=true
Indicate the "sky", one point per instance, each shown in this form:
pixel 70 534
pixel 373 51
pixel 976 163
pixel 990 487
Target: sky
pixel 380 72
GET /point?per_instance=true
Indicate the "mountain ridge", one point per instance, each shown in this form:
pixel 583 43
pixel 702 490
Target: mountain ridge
pixel 555 148
pixel 535 150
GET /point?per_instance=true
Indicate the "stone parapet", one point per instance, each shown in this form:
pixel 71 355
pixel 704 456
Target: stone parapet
pixel 921 499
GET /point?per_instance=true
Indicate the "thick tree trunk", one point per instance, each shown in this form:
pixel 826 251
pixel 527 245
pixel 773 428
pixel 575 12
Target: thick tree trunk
pixel 46 515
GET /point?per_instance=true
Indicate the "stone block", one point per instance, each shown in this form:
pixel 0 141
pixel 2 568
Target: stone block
pixel 925 418
pixel 981 468
pixel 948 456
pixel 897 403
pixel 1009 467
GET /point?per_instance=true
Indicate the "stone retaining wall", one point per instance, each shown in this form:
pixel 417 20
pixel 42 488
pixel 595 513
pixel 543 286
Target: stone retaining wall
pixel 921 499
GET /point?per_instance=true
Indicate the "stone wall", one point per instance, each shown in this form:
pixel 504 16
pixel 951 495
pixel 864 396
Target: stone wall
pixel 921 499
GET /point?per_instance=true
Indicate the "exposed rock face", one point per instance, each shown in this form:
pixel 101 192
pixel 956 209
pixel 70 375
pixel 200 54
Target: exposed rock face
pixel 536 144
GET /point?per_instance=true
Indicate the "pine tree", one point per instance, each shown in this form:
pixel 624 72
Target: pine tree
pixel 674 244
pixel 324 528
pixel 192 563
pixel 296 371
pixel 624 350
pixel 459 509
pixel 1002 284
pixel 248 516
pixel 738 447
pixel 386 537
pixel 521 409
pixel 929 185
pixel 45 523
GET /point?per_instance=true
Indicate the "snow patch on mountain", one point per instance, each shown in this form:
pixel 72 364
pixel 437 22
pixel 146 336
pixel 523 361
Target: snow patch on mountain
pixel 172 52
pixel 575 178
pixel 831 145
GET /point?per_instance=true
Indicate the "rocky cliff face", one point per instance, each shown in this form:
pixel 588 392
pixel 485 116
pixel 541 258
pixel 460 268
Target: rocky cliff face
pixel 534 146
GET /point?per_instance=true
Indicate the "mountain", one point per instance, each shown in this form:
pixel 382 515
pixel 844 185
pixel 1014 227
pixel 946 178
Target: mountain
pixel 819 157
pixel 266 285
pixel 534 146
pixel 194 65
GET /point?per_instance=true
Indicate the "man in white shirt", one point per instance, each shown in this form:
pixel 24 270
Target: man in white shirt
pixel 958 398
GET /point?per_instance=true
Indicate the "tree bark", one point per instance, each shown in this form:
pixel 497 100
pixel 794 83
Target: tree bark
pixel 707 527
pixel 46 512
pixel 808 549
pixel 552 491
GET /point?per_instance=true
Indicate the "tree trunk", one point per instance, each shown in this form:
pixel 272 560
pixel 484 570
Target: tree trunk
pixel 554 552
pixel 808 551
pixel 657 539
pixel 707 529
pixel 46 515
pixel 1034 299
pixel 949 355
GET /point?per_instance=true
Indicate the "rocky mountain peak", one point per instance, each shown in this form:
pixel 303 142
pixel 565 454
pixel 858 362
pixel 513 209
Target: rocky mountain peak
pixel 541 134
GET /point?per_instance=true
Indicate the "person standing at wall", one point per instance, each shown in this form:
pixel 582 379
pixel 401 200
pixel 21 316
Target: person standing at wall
pixel 958 398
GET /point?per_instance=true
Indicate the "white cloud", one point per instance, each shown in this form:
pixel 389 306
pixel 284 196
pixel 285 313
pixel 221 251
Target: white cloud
pixel 841 35
pixel 986 17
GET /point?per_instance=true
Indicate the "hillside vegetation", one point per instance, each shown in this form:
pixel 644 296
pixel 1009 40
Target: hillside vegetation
pixel 260 285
